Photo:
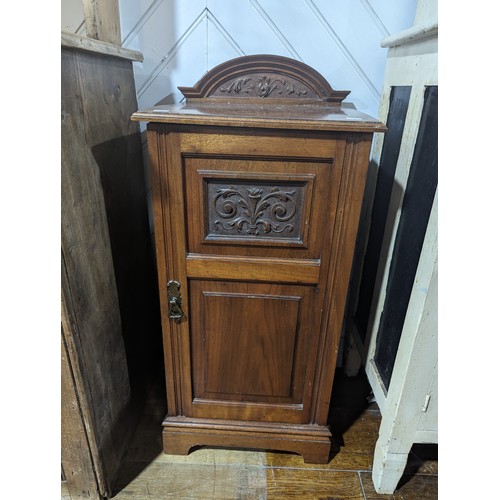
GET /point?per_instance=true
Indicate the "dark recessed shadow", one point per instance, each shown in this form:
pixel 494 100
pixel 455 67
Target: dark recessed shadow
pixel 146 444
pixel 350 399
pixel 124 195
pixel 419 454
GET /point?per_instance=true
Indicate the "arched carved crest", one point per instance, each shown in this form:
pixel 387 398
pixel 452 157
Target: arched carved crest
pixel 267 77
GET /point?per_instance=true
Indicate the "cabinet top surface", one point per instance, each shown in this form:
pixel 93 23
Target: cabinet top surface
pixel 264 91
pixel 320 116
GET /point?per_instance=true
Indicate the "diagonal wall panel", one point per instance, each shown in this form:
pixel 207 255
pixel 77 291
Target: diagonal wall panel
pixel 249 25
pixel 395 16
pixel 364 56
pixel 137 15
pixel 324 49
pixel 367 5
pixel 273 26
pixel 222 45
pixel 165 63
pixel 182 40
pixel 176 68
pixel 160 35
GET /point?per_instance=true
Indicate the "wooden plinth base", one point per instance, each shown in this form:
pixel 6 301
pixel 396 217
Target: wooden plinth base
pixel 180 434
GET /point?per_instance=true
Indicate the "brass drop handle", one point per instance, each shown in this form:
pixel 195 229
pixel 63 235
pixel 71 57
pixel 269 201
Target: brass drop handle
pixel 174 300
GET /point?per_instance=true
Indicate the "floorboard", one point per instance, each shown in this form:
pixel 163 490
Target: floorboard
pixel 219 473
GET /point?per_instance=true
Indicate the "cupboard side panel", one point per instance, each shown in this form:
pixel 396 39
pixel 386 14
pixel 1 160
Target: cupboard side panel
pixel 161 216
pixel 353 177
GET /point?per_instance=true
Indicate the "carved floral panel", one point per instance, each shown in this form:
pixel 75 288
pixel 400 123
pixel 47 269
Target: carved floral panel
pixel 263 85
pixel 254 210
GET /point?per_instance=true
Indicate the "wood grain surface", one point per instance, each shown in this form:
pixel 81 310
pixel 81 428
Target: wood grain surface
pixel 93 331
pixel 109 298
pixel 256 208
pixel 148 473
pixel 229 268
pixel 411 487
pixel 306 117
pixel 76 456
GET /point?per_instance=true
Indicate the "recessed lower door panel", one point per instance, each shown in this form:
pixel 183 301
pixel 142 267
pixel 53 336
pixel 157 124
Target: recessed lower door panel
pixel 253 347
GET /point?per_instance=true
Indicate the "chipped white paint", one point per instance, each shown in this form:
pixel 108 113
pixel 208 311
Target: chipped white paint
pixel 426 12
pixel 414 64
pixel 409 407
pixel 429 421
pixel 426 403
pixel 411 35
pixel 413 386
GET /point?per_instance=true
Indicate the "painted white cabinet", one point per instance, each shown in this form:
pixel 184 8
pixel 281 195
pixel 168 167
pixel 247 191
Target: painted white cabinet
pixel 409 407
pixel 408 394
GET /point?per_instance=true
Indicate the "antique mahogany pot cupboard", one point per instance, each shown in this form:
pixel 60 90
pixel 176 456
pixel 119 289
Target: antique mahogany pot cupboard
pixel 257 179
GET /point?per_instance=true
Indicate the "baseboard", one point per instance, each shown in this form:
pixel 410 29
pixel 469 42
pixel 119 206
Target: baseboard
pixel 313 442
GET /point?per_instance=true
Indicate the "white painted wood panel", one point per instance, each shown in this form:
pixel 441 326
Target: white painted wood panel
pixel 72 17
pixel 182 40
pixel 429 417
pixel 412 64
pixel 409 412
pixel 410 406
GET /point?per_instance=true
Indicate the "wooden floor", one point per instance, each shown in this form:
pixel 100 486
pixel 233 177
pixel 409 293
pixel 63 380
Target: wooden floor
pixel 217 474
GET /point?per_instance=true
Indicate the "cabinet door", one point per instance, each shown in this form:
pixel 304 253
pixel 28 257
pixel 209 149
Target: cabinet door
pixel 252 345
pixel 248 229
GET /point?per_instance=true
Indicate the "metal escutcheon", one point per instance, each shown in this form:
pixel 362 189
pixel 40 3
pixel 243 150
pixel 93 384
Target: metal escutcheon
pixel 174 300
